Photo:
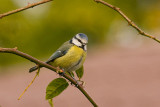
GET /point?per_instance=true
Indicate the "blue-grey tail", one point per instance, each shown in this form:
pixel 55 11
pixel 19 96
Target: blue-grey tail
pixel 33 69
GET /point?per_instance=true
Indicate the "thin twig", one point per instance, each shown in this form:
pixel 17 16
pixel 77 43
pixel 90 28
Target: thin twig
pixel 130 22
pixel 23 8
pixel 42 64
pixel 29 84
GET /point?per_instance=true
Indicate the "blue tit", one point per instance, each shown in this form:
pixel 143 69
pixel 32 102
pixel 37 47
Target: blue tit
pixel 70 56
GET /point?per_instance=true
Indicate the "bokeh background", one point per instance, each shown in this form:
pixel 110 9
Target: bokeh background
pixel 121 69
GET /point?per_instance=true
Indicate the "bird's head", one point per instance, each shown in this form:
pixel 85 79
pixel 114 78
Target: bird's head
pixel 80 40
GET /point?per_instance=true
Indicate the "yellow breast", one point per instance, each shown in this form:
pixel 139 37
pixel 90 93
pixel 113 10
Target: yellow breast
pixel 72 60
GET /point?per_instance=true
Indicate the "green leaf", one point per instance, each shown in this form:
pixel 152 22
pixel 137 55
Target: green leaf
pixel 79 72
pixel 56 87
pixel 50 102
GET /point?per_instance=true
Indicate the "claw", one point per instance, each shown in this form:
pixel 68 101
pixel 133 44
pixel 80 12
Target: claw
pixel 77 82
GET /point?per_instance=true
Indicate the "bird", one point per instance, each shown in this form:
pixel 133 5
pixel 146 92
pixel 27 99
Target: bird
pixel 70 56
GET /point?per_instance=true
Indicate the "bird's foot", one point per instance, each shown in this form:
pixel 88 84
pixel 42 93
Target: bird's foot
pixel 79 83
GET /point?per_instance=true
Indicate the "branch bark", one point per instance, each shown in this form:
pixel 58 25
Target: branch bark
pixel 36 61
pixel 23 8
pixel 130 22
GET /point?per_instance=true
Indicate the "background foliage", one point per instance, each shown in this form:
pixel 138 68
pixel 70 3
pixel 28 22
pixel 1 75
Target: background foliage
pixel 39 31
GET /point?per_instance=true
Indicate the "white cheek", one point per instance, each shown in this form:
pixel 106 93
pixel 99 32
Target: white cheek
pixel 76 42
pixel 85 47
pixel 84 41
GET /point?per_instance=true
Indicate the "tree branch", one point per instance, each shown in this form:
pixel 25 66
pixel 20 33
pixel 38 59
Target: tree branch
pixel 32 59
pixel 130 22
pixel 23 8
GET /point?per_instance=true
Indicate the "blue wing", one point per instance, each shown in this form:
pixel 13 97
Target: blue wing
pixel 55 55
pixel 60 52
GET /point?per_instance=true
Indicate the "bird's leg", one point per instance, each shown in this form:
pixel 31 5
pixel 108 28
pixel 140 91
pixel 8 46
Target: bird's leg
pixel 77 83
pixel 61 73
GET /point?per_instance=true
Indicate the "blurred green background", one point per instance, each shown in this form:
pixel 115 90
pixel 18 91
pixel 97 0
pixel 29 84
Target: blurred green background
pixel 40 30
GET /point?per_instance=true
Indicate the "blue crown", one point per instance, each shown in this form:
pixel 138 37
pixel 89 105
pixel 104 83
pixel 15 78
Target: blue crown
pixel 83 36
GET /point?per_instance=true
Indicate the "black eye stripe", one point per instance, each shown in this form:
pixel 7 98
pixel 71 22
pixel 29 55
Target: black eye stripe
pixel 79 40
pixel 82 44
